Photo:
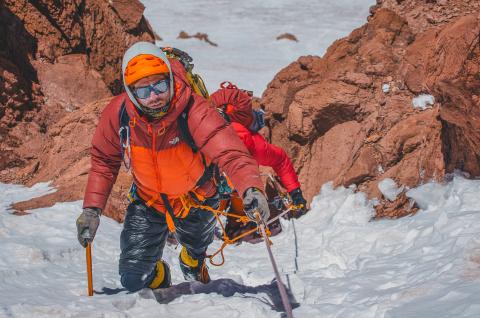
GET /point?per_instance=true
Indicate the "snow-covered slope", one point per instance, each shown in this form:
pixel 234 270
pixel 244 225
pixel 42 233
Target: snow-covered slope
pixel 248 53
pixel 427 265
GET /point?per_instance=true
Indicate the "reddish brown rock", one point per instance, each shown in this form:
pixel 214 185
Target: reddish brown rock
pixel 55 58
pixel 348 117
pixel 91 27
pixel 201 36
pixel 130 12
pixel 287 36
pixel 402 206
pixel 65 161
pixel 425 14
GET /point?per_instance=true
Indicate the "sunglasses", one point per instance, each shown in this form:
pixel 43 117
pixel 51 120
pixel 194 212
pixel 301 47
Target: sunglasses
pixel 158 88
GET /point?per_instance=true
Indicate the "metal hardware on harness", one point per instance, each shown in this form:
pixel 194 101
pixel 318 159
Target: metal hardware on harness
pixel 125 142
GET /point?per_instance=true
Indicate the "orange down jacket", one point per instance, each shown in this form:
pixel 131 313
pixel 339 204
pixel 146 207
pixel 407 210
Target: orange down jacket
pixel 161 160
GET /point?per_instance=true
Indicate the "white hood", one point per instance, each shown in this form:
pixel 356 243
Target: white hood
pixel 140 48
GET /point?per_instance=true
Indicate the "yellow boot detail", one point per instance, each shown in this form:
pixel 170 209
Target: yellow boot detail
pixel 187 259
pixel 159 277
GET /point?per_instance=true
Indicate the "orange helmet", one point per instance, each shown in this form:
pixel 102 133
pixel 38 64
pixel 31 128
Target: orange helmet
pixel 144 65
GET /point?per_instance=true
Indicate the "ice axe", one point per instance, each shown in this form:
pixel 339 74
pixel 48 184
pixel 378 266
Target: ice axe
pixel 88 252
pixel 281 287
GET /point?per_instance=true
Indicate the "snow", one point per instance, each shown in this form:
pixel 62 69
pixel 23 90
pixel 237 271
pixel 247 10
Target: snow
pixel 389 189
pixel 427 265
pixel 423 101
pixel 248 53
pixel 386 88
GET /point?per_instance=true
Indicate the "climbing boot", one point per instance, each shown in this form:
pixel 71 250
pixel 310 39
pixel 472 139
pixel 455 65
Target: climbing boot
pixel 193 269
pixel 163 277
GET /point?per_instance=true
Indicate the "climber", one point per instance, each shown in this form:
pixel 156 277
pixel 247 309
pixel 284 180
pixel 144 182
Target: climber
pixel 170 174
pixel 236 106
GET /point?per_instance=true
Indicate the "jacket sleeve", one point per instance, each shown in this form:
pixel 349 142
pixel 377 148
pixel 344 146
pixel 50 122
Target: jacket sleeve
pixel 219 142
pixel 269 155
pixel 106 158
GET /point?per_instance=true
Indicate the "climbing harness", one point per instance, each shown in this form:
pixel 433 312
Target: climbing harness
pixel 226 240
pixel 287 205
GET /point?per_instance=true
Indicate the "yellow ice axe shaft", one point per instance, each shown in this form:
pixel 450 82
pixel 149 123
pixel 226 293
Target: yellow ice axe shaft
pixel 88 252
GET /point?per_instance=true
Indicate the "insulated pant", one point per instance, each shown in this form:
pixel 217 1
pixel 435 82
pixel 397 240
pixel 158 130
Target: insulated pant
pixel 144 235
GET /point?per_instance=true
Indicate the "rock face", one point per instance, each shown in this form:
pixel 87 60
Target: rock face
pixel 55 58
pixel 349 117
pixel 65 161
pixel 75 44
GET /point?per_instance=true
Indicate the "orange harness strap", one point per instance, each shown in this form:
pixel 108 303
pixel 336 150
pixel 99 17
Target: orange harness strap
pixel 170 215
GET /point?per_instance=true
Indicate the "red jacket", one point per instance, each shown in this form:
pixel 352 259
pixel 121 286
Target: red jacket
pixel 161 161
pixel 263 152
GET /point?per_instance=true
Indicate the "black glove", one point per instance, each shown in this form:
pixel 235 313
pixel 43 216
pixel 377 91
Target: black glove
pixel 254 200
pixel 298 200
pixel 87 225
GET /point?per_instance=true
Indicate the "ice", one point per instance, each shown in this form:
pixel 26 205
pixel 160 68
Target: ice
pixel 423 101
pixel 389 189
pixel 386 88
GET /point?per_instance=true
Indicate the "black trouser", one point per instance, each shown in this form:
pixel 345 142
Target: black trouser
pixel 144 235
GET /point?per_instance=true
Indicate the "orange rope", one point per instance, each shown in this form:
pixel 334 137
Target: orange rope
pixel 189 203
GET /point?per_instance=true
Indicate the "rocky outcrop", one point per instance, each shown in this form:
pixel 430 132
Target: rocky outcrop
pixel 65 161
pixel 101 30
pixel 70 48
pixel 349 116
pixel 55 58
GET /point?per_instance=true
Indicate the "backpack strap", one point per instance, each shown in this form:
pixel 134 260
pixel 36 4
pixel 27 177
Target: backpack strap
pixel 185 132
pixel 124 134
pixel 187 136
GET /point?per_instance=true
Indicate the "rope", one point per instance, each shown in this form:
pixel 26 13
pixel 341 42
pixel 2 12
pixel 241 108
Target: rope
pixel 296 246
pixel 188 204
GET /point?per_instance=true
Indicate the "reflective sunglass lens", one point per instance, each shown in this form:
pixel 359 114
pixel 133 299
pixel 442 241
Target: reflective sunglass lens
pixel 158 88
pixel 142 92
pixel 161 86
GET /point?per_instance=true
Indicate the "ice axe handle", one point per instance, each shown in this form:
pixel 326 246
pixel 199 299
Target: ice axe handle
pixel 88 252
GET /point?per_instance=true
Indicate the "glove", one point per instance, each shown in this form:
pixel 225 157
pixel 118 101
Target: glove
pixel 254 200
pixel 87 225
pixel 298 200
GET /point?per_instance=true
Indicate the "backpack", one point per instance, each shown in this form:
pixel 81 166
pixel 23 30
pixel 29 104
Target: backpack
pixel 195 81
pixel 235 105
